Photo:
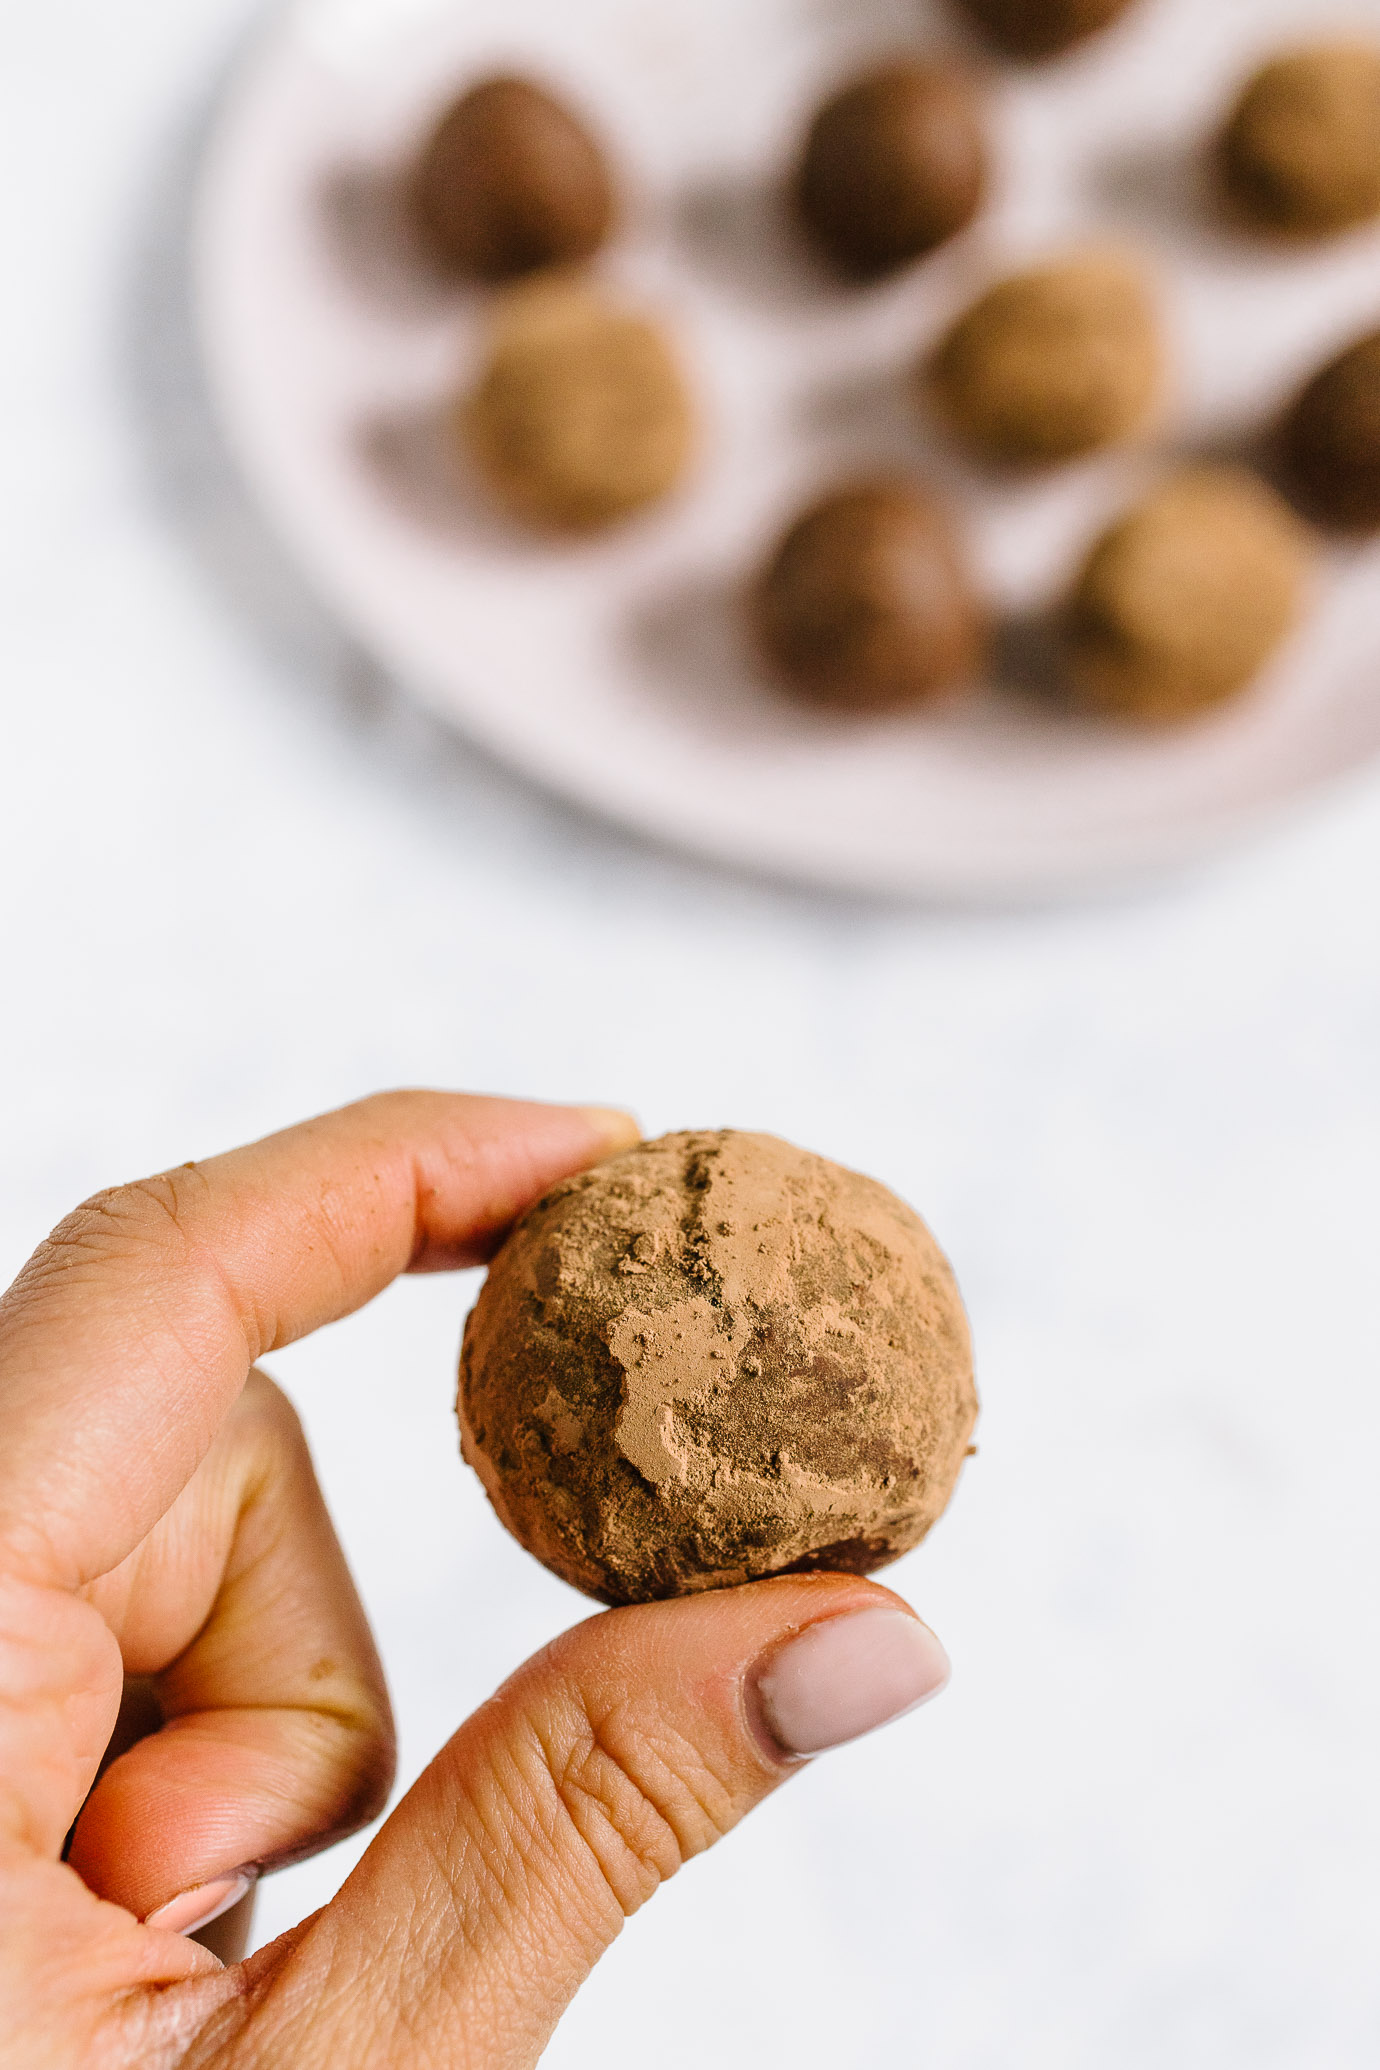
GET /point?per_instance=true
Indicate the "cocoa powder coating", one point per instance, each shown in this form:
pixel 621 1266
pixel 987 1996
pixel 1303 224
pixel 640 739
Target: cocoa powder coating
pixel 713 1358
pixel 1300 153
pixel 1185 598
pixel 1052 363
pixel 582 414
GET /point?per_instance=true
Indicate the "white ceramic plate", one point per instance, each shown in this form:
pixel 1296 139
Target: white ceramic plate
pixel 615 672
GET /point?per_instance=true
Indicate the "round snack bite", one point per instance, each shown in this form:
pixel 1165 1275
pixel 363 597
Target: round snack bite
pixel 1331 441
pixel 1184 599
pixel 1300 153
pixel 510 182
pixel 582 414
pixel 893 166
pixel 867 604
pixel 1051 364
pixel 1042 28
pixel 714 1358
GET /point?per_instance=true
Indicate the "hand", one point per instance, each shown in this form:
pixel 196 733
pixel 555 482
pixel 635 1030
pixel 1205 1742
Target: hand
pixel 159 1518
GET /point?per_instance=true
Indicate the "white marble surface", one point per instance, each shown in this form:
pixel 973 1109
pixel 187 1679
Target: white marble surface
pixel 240 881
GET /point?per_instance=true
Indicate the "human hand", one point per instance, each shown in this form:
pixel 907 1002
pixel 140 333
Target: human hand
pixel 159 1518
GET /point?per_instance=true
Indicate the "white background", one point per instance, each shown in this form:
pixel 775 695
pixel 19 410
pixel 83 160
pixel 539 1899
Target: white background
pixel 242 882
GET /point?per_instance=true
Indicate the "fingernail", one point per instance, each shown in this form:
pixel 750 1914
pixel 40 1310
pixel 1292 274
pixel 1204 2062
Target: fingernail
pixel 847 1676
pixel 617 1130
pixel 197 1908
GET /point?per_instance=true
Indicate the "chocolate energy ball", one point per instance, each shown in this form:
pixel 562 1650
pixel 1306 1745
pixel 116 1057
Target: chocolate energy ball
pixel 893 166
pixel 1042 28
pixel 582 414
pixel 714 1358
pixel 510 182
pixel 1300 153
pixel 1185 599
pixel 1051 364
pixel 1330 441
pixel 867 603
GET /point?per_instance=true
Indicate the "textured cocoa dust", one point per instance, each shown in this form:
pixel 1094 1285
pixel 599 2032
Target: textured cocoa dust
pixel 1300 154
pixel 1187 596
pixel 1051 363
pixel 713 1358
pixel 582 414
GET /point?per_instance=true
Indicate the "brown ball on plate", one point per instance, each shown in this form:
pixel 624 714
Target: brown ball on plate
pixel 1042 28
pixel 582 414
pixel 1300 153
pixel 714 1358
pixel 867 603
pixel 1331 441
pixel 511 182
pixel 893 166
pixel 1051 364
pixel 1185 599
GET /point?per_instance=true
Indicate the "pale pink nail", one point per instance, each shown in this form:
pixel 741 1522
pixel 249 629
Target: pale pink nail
pixel 197 1908
pixel 847 1676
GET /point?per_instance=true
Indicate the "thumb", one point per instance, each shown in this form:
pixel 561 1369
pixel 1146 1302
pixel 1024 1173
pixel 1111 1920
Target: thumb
pixel 631 1744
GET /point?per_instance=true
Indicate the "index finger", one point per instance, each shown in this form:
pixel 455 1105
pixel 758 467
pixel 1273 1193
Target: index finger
pixel 133 1327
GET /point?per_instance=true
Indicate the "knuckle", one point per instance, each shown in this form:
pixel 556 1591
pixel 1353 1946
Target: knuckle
pixel 641 1797
pixel 135 1230
pixel 142 1213
pixel 151 1207
pixel 147 1229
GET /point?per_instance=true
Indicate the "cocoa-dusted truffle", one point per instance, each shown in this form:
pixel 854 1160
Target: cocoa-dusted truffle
pixel 510 182
pixel 1185 598
pixel 868 603
pixel 1042 28
pixel 582 414
pixel 1331 441
pixel 713 1358
pixel 1052 363
pixel 893 166
pixel 1300 153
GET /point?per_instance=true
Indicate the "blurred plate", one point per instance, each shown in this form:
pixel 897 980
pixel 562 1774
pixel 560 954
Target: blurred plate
pixel 615 671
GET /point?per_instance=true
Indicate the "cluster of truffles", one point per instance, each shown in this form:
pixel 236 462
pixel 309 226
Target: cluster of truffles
pixel 715 1358
pixel 868 603
pixel 583 413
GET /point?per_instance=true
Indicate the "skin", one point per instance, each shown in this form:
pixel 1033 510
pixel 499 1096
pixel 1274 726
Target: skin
pixel 159 1519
